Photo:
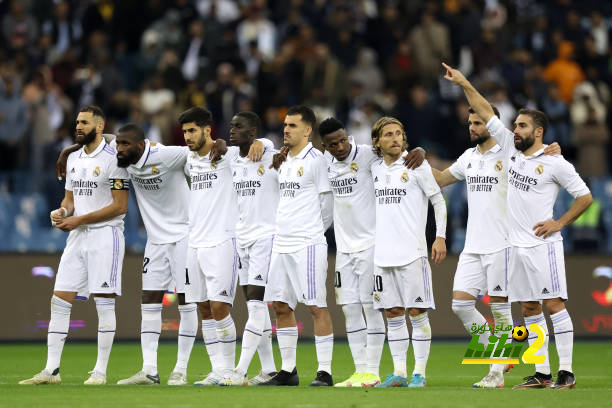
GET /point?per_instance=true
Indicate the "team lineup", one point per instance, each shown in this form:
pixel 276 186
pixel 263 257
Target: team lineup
pixel 218 217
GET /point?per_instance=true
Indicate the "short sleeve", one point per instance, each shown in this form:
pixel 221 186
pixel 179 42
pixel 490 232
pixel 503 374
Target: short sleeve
pixel 457 169
pixel 567 177
pixel 68 185
pixel 319 170
pixel 118 177
pixel 503 135
pixel 175 157
pixel 426 179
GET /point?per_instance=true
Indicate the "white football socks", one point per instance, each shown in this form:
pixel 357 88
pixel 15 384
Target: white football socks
pixel 543 351
pixel 57 332
pixel 213 347
pixel 287 343
pixel 150 330
pixel 188 328
pixel 106 331
pixel 325 349
pixel 564 338
pixel 253 331
pixel 502 315
pixel 375 338
pixel 264 350
pixel 399 341
pixel 421 341
pixel 226 333
pixel 356 334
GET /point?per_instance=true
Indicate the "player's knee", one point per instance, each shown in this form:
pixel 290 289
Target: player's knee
pixel 67 296
pixel 462 307
pixel 415 311
pixel 281 309
pixel 395 312
pixel 205 312
pixel 255 292
pixel 152 296
pixel 554 305
pixel 219 310
pixel 531 308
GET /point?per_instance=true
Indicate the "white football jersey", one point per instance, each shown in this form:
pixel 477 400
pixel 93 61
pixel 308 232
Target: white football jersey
pixel 486 179
pixel 213 210
pixel 256 187
pixel 162 192
pixel 353 190
pixel 533 185
pixel 91 177
pixel 402 199
pixel 298 221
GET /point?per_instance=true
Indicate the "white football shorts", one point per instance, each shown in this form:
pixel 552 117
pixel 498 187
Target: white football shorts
pixel 255 262
pixel 212 273
pixel 407 286
pixel 479 274
pixel 92 262
pixel 354 280
pixel 164 266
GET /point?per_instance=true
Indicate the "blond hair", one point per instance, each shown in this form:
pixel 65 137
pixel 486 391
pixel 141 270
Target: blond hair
pixel 377 130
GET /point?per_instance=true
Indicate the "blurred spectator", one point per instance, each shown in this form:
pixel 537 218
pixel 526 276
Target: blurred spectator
pixel 323 71
pixel 258 30
pixel 19 28
pixel 557 111
pixel 430 43
pixel 600 32
pixel 591 139
pixel 64 31
pixel 565 72
pixel 586 103
pixel 367 72
pixel 13 121
pixel 196 63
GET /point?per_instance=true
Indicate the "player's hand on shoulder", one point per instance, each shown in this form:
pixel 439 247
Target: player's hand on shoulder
pixel 546 228
pixel 256 151
pixel 62 160
pixel 552 149
pixel 218 150
pixel 438 250
pixel 414 158
pixel 279 158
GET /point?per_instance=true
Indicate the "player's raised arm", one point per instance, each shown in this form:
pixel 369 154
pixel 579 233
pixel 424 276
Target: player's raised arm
pixel 475 99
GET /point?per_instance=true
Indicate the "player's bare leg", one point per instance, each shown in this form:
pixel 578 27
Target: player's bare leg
pixel 532 312
pixel 61 306
pixel 324 344
pixel 287 336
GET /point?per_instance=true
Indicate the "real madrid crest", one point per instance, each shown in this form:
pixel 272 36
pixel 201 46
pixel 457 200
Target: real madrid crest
pixel 354 167
pixel 540 169
pixel 96 171
pixel 300 172
pixel 376 297
pixel 213 165
pixel 404 177
pixel 154 170
pixel 498 165
pixel 261 170
pixel 118 184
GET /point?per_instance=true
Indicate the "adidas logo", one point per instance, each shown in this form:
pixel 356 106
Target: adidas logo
pixel 105 285
pixel 497 289
pixel 418 300
pixel 223 293
pixel 258 277
pixel 513 158
pixel 72 171
pixel 545 291
pixel 469 165
pixel 375 179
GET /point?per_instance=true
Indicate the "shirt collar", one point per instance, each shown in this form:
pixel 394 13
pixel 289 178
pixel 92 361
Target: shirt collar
pixel 145 155
pixel 399 161
pixel 492 150
pixel 535 154
pixel 95 152
pixel 303 152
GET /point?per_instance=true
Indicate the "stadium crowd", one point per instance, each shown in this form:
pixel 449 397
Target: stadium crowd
pixel 144 62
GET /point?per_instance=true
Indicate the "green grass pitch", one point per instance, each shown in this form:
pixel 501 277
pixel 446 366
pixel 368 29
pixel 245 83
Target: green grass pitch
pixel 449 382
